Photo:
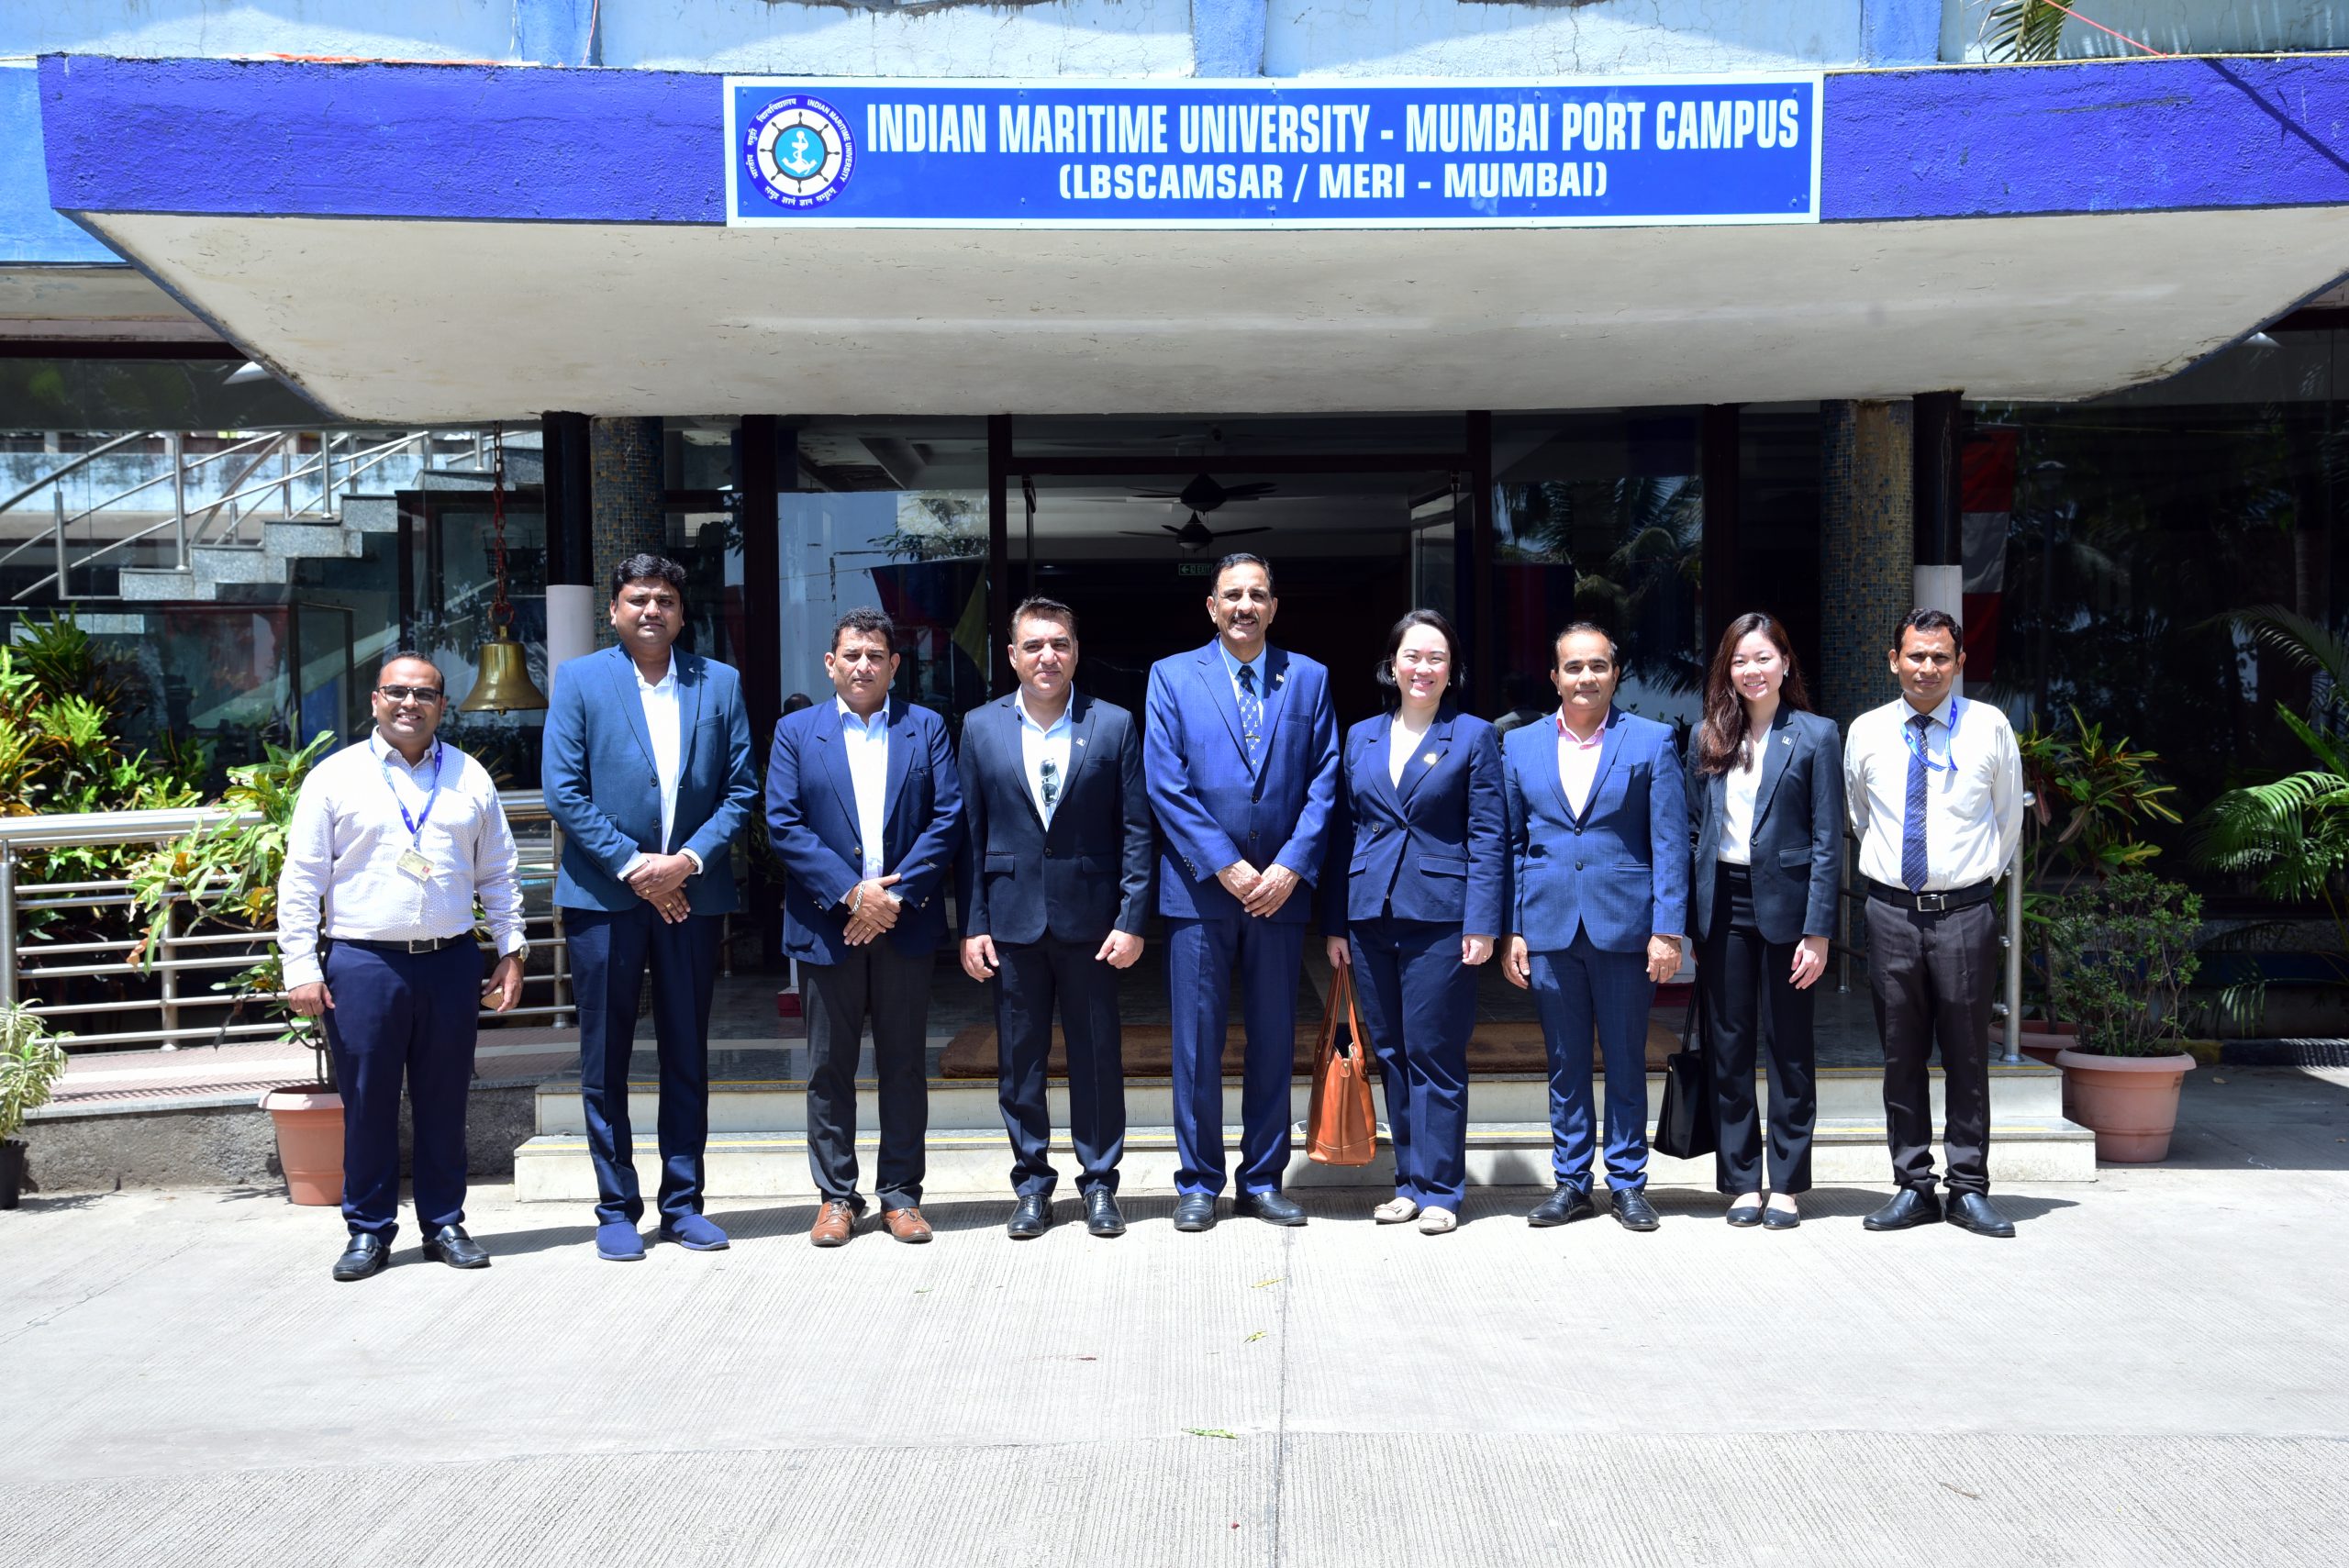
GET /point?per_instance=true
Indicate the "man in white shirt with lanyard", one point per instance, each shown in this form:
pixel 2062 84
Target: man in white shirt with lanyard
pixel 391 841
pixel 1933 782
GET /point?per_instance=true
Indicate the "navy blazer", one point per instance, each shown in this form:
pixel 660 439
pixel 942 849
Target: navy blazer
pixel 602 790
pixel 1434 848
pixel 1089 874
pixel 1619 871
pixel 1212 810
pixel 1797 841
pixel 812 823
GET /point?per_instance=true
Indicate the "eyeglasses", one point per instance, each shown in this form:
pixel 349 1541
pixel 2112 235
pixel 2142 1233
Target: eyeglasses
pixel 425 694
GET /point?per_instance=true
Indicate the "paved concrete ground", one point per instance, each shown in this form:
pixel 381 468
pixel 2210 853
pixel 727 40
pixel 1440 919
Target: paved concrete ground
pixel 2155 1371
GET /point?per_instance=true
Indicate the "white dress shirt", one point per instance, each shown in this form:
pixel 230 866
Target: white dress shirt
pixel 868 772
pixel 1743 788
pixel 1040 744
pixel 1232 663
pixel 664 726
pixel 343 847
pixel 1577 762
pixel 1972 793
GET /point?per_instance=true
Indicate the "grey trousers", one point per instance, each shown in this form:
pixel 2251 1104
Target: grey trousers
pixel 876 982
pixel 1934 977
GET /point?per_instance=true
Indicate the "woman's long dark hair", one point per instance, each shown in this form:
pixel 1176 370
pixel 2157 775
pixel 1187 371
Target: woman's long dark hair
pixel 1722 740
pixel 1402 629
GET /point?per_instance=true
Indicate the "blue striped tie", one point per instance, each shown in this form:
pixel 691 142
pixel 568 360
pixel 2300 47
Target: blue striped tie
pixel 1251 716
pixel 1913 820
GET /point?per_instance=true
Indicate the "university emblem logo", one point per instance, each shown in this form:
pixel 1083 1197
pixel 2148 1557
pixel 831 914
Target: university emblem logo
pixel 799 152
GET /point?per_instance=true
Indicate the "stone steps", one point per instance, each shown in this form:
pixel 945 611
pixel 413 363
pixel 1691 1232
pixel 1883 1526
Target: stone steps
pixel 757 1146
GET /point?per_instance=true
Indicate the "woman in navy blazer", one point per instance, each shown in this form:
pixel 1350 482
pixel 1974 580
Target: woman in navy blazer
pixel 1420 893
pixel 1769 786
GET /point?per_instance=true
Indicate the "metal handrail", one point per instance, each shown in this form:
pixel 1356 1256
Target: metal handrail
pixel 96 960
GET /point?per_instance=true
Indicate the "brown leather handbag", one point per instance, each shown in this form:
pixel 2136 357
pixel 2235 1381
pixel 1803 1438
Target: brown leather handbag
pixel 1342 1127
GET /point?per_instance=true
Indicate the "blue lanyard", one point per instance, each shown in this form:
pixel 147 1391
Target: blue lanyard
pixel 1913 737
pixel 415 824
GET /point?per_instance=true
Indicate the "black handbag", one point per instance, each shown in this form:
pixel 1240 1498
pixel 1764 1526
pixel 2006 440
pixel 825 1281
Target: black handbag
pixel 1685 1124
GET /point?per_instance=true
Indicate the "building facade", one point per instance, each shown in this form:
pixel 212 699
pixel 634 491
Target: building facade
pixel 1524 311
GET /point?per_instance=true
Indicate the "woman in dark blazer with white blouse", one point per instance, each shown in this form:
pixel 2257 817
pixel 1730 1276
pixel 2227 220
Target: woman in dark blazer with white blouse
pixel 1766 780
pixel 1412 898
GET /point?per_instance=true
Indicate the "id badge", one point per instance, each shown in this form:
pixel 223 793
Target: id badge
pixel 413 864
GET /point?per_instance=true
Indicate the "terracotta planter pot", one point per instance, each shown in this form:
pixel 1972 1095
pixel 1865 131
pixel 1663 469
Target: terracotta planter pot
pixel 2129 1102
pixel 309 1143
pixel 2042 1040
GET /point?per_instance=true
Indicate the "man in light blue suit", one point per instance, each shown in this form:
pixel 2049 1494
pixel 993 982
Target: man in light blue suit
pixel 1239 753
pixel 648 773
pixel 1598 843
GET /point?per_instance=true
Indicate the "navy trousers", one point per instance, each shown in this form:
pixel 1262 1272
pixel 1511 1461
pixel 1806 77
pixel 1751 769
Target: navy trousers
pixel 1200 955
pixel 1418 1004
pixel 1032 977
pixel 611 951
pixel 403 1015
pixel 1578 992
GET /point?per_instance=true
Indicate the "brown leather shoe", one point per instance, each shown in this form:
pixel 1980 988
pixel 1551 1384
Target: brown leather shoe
pixel 835 1223
pixel 906 1224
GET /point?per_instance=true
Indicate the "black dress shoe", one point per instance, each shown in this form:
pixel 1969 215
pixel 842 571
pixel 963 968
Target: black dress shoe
pixel 1745 1214
pixel 1780 1219
pixel 1101 1216
pixel 1974 1212
pixel 1270 1207
pixel 1909 1205
pixel 1633 1211
pixel 365 1255
pixel 450 1245
pixel 1195 1211
pixel 1030 1217
pixel 1561 1207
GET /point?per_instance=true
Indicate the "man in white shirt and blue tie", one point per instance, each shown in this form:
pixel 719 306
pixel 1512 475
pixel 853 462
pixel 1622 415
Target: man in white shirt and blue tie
pixel 1933 782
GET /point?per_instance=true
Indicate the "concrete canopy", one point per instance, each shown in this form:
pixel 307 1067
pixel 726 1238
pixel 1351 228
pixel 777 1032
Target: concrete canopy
pixel 461 243
pixel 429 321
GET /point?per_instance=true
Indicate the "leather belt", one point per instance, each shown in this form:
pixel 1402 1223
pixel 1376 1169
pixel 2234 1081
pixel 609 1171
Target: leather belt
pixel 426 944
pixel 1933 903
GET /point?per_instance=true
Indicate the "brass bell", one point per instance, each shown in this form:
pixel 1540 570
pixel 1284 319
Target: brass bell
pixel 502 680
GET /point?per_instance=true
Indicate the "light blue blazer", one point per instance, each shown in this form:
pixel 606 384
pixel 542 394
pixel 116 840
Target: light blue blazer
pixel 1432 847
pixel 1211 809
pixel 602 790
pixel 1619 870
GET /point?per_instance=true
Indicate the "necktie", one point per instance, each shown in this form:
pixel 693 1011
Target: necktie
pixel 1252 715
pixel 1913 818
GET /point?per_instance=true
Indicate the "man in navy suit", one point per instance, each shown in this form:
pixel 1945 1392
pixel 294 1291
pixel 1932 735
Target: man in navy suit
pixel 864 810
pixel 648 773
pixel 1241 757
pixel 1053 881
pixel 1598 843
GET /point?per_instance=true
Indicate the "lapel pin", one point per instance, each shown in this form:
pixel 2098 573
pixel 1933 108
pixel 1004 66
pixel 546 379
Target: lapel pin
pixel 1428 759
pixel 1279 678
pixel 1080 740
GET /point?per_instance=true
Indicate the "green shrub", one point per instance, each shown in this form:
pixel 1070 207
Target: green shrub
pixel 2123 954
pixel 31 1061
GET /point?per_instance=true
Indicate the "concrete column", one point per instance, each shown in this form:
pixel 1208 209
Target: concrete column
pixel 1867 548
pixel 629 517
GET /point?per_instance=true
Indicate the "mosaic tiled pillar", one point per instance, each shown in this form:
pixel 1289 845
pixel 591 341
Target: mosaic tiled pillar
pixel 629 517
pixel 1867 550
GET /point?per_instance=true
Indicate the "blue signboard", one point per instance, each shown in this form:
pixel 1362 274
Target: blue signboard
pixel 1651 149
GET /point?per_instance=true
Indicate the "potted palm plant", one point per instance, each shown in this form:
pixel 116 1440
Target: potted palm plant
pixel 31 1061
pixel 226 873
pixel 2122 956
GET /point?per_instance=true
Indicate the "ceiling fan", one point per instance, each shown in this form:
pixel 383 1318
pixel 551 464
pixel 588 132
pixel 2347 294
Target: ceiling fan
pixel 1195 536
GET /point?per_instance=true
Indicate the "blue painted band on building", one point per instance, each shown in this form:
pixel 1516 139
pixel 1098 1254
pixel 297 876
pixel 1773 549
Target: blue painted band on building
pixel 31 231
pixel 521 144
